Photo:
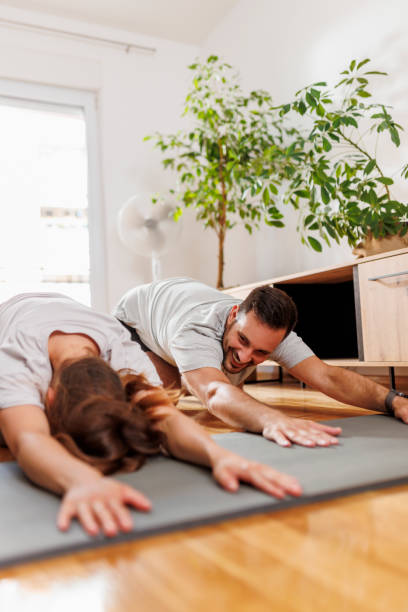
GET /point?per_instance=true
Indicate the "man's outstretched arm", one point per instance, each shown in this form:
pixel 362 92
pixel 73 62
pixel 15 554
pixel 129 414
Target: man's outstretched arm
pixel 235 407
pixel 348 387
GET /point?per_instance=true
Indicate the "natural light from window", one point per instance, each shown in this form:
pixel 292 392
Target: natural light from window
pixel 44 241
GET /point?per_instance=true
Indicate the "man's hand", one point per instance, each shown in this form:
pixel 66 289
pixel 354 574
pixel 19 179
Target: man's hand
pixel 400 407
pixel 285 430
pixel 229 469
pixel 101 505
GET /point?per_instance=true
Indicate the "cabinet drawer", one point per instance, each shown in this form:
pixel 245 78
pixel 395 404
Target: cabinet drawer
pixel 383 287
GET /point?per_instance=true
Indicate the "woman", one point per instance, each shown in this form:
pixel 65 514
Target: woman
pixel 70 420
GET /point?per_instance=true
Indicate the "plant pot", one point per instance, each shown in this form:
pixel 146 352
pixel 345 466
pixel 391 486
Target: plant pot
pixel 373 246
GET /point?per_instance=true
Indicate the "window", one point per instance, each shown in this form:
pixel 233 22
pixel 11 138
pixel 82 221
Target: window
pixel 48 192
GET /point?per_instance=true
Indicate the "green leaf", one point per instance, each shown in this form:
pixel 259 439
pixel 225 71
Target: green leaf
pixel 369 167
pixel 310 99
pixel 395 136
pixel 320 110
pixel 326 145
pixel 385 180
pixel 302 107
pixel 362 63
pixel 302 193
pixel 315 244
pixel 352 65
pixel 275 223
pixel 177 213
pixel 363 93
pixel 325 194
pixel 266 196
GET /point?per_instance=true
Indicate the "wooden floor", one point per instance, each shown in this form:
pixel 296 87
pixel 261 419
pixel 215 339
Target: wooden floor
pixel 347 554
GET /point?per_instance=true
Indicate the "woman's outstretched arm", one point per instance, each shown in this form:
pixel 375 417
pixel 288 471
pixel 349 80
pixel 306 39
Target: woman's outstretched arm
pixel 98 502
pixel 189 441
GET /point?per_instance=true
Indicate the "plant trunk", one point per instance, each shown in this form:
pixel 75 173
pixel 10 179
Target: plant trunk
pixel 222 219
pixel 221 240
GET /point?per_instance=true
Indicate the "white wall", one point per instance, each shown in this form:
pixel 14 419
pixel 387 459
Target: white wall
pixel 137 94
pixel 276 46
pixel 283 46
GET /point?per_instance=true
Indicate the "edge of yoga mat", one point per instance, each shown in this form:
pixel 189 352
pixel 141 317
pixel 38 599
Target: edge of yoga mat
pixel 76 540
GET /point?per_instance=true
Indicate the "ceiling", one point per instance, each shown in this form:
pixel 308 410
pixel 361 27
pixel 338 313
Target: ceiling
pixel 185 21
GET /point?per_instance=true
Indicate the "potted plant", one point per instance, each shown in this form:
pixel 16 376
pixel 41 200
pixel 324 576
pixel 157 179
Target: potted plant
pixel 229 158
pixel 335 177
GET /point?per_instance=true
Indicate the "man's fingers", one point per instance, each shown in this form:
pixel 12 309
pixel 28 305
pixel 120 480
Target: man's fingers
pixel 273 433
pixel 305 433
pixel 401 413
pixel 335 431
pixel 307 437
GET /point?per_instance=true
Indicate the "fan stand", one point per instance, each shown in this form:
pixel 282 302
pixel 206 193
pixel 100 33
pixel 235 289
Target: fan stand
pixel 156 267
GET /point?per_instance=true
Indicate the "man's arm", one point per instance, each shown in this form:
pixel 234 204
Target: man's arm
pixel 232 405
pixel 98 502
pixel 347 387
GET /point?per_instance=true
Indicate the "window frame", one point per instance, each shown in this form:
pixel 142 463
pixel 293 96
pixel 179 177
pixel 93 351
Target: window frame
pixel 86 101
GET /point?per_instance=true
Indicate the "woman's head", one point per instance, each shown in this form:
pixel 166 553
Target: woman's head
pixel 102 418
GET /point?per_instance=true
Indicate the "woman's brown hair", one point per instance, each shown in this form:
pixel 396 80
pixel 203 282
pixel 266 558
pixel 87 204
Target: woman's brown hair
pixel 104 418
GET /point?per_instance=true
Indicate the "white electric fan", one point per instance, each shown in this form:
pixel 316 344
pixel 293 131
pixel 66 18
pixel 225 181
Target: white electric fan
pixel 148 228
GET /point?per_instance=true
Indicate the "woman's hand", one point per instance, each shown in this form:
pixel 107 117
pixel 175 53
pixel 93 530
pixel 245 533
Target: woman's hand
pixel 101 506
pixel 229 469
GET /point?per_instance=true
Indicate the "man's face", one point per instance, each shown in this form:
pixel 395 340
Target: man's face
pixel 247 341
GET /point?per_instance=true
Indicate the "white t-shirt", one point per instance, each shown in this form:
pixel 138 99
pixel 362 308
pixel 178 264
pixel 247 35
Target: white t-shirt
pixel 26 322
pixel 183 321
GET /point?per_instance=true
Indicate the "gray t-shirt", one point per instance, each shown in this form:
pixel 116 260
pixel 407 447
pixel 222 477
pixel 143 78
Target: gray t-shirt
pixel 26 322
pixel 183 321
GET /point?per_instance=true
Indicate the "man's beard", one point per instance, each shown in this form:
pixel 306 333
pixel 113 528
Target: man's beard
pixel 232 369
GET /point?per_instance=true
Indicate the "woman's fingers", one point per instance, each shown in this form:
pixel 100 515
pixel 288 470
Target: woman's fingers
pixel 226 477
pixel 65 515
pixel 101 510
pixel 136 499
pixel 271 481
pixel 101 506
pixel 229 471
pixel 122 515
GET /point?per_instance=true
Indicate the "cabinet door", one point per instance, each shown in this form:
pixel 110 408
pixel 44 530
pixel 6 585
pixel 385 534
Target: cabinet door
pixel 383 286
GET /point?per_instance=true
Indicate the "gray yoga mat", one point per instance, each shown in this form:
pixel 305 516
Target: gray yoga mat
pixel 373 452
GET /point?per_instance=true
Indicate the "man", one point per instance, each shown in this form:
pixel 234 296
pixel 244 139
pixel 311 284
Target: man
pixel 215 341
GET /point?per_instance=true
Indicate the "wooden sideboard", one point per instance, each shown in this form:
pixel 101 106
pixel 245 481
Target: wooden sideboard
pixel 354 314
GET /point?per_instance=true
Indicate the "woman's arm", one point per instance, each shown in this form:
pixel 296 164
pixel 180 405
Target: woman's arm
pixel 98 502
pixel 188 441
